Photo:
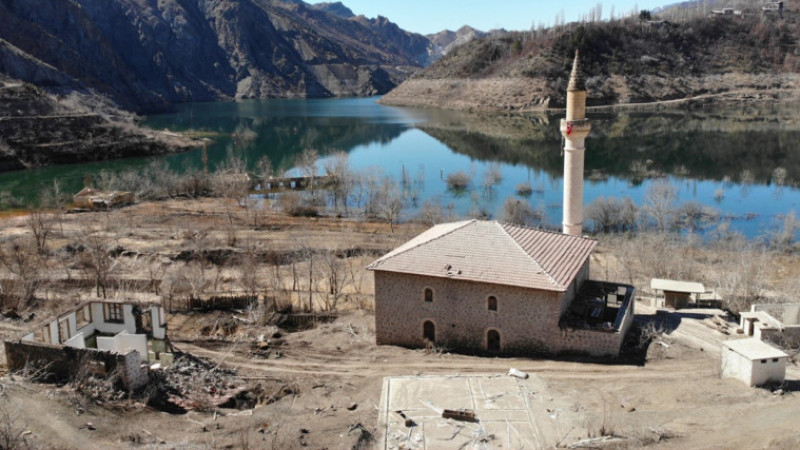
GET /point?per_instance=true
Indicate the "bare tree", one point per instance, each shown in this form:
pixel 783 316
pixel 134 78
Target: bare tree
pixel 307 162
pixel 338 167
pixel 784 235
pixel 390 202
pixel 335 271
pixel 520 212
pixel 659 204
pixel 26 264
pixel 250 276
pixel 308 253
pixel 96 260
pixel 41 225
pixel 492 176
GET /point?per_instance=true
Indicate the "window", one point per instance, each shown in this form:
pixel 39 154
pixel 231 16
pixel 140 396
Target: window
pixel 763 361
pixel 491 303
pixel 112 312
pixel 428 294
pixel 774 359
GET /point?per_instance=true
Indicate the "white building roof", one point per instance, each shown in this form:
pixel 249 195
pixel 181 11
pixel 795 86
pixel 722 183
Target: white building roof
pixel 688 287
pixel 762 317
pixel 492 252
pixel 754 348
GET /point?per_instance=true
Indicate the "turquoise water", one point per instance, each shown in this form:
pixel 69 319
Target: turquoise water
pixel 721 158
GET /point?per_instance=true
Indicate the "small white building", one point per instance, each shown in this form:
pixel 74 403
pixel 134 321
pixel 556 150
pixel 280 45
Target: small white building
pixel 753 362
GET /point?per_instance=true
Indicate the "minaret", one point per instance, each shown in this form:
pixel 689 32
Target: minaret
pixel 574 128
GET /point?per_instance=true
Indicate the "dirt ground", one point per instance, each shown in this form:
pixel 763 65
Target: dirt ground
pixel 674 400
pixel 322 385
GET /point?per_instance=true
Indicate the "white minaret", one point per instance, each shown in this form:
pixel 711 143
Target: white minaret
pixel 574 128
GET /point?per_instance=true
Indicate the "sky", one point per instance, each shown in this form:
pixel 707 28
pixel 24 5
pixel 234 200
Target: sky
pixel 432 16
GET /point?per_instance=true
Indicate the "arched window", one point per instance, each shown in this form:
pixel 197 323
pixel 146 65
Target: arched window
pixel 429 331
pixel 428 294
pixel 493 341
pixel 491 303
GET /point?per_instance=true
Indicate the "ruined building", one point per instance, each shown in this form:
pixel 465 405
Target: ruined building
pixel 99 337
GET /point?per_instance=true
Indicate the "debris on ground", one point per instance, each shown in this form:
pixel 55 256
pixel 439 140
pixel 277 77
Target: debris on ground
pixel 517 373
pixel 718 323
pixel 463 415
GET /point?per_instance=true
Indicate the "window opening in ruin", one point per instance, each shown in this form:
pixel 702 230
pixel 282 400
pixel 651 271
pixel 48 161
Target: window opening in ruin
pixel 429 331
pixel 48 339
pixel 492 303
pixel 112 312
pixel 493 341
pixel 63 330
pixel 428 294
pixel 83 316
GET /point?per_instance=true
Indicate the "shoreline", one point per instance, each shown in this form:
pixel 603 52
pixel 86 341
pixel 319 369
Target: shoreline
pixel 527 96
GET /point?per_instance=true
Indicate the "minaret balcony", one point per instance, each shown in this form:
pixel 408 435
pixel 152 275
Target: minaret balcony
pixel 575 128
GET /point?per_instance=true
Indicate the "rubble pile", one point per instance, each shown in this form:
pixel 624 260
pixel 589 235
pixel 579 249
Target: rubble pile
pixel 195 383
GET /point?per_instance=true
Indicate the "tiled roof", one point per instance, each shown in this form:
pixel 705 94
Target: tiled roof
pixel 492 252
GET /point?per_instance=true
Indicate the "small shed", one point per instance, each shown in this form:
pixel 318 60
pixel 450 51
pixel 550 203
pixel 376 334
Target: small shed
pixel 753 362
pixel 677 294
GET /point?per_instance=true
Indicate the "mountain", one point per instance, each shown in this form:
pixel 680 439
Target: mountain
pixel 146 54
pixel 626 61
pixel 38 129
pixel 445 41
pixel 336 8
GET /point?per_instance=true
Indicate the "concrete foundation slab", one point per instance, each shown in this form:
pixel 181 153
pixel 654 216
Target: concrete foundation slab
pixel 506 409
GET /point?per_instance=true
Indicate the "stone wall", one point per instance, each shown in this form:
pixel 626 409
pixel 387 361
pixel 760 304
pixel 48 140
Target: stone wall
pixel 787 338
pixel 526 319
pixel 60 364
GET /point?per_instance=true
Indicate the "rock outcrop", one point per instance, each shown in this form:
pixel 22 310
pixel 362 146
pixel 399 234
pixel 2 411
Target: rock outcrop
pixel 39 129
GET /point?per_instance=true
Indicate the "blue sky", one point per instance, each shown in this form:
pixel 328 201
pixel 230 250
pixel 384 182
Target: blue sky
pixel 431 16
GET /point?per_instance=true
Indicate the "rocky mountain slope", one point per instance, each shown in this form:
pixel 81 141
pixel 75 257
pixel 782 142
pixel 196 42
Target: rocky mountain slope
pixel 146 54
pixel 38 129
pixel 629 61
pixel 446 41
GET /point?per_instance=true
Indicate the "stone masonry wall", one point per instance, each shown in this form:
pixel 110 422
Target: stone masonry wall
pixel 526 319
pixel 63 363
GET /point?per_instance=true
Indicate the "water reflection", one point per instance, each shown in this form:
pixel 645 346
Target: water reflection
pixel 742 160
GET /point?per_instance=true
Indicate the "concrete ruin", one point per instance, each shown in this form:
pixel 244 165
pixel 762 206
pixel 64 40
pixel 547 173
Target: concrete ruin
pixel 677 294
pixel 90 198
pixel 753 362
pixel 98 336
pixel 778 324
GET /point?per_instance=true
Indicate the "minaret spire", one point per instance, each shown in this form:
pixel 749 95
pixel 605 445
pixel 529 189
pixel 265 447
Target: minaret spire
pixel 575 127
pixel 576 80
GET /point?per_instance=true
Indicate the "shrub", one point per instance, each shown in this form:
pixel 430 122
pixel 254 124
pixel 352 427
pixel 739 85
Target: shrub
pixel 292 203
pixel 458 180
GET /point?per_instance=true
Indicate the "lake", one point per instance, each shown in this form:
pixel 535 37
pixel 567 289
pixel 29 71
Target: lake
pixel 742 161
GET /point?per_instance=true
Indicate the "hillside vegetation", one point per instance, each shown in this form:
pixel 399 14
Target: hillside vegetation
pixel 632 60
